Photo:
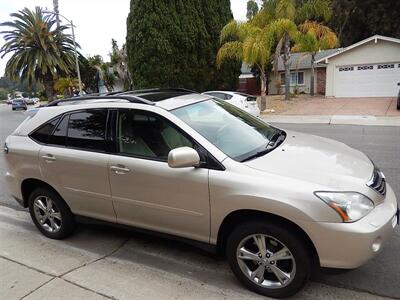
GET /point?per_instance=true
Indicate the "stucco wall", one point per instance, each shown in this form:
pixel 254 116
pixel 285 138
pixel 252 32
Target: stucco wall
pixel 369 53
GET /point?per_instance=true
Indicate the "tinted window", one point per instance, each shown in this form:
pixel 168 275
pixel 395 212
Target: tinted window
pixel 87 130
pixel 60 133
pixel 43 133
pixel 148 135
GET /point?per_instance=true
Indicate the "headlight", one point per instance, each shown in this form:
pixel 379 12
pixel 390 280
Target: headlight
pixel 350 206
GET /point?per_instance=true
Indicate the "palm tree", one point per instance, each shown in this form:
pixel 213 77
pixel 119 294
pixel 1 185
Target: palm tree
pixel 249 44
pixel 283 16
pixel 66 86
pixel 40 50
pixel 314 37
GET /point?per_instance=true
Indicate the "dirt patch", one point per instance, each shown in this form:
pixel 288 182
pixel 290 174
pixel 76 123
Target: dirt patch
pixel 277 104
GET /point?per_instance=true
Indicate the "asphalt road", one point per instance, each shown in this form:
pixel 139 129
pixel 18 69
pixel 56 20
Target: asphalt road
pixel 381 276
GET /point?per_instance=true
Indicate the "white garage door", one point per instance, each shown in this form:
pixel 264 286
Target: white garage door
pixel 376 80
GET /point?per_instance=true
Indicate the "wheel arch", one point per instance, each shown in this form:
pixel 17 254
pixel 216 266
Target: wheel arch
pixel 244 215
pixel 29 185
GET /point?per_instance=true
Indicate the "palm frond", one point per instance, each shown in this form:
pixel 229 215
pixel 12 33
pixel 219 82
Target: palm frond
pixel 314 10
pixel 285 9
pixel 230 50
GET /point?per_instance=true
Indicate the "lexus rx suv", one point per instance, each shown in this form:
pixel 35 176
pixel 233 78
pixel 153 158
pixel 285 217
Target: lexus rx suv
pixel 188 165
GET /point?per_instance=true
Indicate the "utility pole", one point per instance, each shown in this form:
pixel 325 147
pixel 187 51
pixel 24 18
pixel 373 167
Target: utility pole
pixel 75 50
pixel 57 12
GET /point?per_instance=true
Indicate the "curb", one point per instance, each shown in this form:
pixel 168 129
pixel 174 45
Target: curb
pixel 334 120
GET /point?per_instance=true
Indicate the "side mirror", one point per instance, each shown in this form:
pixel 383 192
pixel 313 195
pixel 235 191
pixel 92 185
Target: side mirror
pixel 183 157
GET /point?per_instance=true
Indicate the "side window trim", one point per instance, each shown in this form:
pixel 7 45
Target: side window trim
pixel 210 163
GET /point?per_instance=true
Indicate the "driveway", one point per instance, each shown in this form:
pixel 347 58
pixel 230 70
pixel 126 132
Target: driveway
pixel 344 106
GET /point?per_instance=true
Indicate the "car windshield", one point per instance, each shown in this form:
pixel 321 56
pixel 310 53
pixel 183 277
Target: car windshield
pixel 235 132
pixel 18 101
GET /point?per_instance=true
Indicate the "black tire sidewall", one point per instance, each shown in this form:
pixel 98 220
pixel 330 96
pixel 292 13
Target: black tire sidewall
pixel 297 248
pixel 68 222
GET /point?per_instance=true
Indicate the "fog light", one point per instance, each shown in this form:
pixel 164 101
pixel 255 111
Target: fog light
pixel 377 245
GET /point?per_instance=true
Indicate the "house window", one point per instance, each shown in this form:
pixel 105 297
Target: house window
pixel 386 66
pixel 296 78
pixel 343 69
pixel 365 67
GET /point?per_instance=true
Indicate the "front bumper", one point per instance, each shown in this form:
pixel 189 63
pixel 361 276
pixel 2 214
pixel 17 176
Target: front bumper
pixel 350 245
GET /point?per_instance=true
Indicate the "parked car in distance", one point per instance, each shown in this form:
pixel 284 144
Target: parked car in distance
pixel 9 101
pixel 244 101
pixel 30 101
pixel 19 104
pixel 179 163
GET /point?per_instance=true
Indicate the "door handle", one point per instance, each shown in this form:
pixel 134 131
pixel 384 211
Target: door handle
pixel 49 158
pixel 119 169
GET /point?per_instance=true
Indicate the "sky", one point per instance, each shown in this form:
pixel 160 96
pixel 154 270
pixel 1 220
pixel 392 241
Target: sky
pixel 96 21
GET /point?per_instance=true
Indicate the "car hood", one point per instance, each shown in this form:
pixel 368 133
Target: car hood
pixel 323 161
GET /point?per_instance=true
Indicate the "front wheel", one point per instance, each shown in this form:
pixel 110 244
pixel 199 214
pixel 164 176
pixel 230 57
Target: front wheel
pixel 268 259
pixel 51 214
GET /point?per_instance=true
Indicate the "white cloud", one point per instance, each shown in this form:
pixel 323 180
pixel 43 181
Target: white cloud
pixel 96 21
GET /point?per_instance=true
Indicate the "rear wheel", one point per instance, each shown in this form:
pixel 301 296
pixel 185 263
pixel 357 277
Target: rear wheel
pixel 51 214
pixel 268 259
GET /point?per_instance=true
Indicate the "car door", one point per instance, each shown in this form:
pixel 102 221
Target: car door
pixel 75 161
pixel 146 192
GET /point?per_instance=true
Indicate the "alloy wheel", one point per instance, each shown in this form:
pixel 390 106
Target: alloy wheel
pixel 47 214
pixel 266 261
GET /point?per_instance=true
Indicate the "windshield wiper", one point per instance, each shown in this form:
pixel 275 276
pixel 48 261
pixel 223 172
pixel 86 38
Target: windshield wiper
pixel 257 154
pixel 277 134
pixel 276 139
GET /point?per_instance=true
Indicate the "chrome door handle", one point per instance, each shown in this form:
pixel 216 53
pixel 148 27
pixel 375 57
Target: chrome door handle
pixel 119 169
pixel 49 158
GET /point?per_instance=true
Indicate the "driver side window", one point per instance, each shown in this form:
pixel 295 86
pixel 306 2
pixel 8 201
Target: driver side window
pixel 148 135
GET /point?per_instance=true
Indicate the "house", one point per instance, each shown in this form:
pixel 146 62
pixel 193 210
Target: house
pixel 300 74
pixel 248 83
pixel 369 68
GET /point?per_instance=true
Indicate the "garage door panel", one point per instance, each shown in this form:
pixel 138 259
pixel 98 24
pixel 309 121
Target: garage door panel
pixel 378 80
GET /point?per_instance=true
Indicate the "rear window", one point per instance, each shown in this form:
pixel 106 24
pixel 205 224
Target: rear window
pixel 43 133
pixel 248 97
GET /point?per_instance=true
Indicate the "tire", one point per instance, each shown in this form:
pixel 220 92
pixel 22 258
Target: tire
pixel 276 237
pixel 13 108
pixel 59 221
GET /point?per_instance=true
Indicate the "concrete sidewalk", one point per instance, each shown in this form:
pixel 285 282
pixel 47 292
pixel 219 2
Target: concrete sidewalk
pixel 365 120
pixel 103 263
pixel 345 111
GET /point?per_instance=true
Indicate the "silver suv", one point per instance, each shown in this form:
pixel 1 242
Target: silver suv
pixel 191 166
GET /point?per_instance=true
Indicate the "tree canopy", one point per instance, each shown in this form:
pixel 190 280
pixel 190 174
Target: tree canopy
pixel 355 20
pixel 174 44
pixel 40 50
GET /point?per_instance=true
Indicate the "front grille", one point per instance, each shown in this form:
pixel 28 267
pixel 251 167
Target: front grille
pixel 377 182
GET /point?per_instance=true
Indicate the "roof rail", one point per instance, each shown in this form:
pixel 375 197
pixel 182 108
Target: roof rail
pixel 130 98
pixel 155 90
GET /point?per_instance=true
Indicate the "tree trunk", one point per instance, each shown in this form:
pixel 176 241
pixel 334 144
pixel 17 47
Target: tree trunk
pixel 285 58
pixel 49 88
pixel 263 103
pixel 312 74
